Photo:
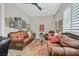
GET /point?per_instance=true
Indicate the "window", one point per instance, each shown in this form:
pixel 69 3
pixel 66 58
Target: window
pixel 75 17
pixel 71 18
pixel 67 19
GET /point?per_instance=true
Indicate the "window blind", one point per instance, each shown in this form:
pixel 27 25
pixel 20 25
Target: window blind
pixel 75 17
pixel 67 20
pixel 71 18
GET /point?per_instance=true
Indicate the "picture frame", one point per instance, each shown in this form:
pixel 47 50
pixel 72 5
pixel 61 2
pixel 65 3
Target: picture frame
pixel 24 24
pixel 60 25
pixel 16 23
pixel 7 22
pixel 41 27
pixel 20 21
pixel 11 22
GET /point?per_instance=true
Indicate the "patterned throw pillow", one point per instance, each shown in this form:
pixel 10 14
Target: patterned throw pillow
pixel 55 39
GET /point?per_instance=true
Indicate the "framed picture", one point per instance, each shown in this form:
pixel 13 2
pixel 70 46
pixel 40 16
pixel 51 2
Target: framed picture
pixel 20 23
pixel 7 22
pixel 23 24
pixel 11 22
pixel 11 19
pixel 60 25
pixel 16 23
pixel 41 28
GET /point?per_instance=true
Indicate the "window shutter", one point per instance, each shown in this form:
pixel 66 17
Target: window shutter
pixel 75 17
pixel 67 19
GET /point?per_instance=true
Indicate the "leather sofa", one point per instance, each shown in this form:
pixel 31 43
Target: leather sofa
pixel 68 46
pixel 20 39
pixel 4 46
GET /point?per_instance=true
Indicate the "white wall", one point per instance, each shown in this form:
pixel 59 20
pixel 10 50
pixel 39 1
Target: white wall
pixel 59 15
pixel 11 10
pixel 1 19
pixel 48 21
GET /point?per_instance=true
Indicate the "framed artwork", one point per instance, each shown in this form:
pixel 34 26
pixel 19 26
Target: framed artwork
pixel 11 22
pixel 15 22
pixel 20 24
pixel 41 28
pixel 7 22
pixel 11 19
pixel 60 25
pixel 23 24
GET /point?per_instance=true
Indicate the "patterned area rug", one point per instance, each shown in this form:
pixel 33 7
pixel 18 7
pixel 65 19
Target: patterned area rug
pixel 33 49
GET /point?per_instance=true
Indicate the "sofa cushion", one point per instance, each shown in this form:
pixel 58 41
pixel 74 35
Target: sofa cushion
pixel 70 51
pixel 21 36
pixel 18 36
pixel 64 51
pixel 70 42
pixel 55 39
pixel 57 51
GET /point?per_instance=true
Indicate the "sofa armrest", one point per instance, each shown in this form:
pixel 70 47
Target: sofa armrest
pixel 29 39
pixel 33 35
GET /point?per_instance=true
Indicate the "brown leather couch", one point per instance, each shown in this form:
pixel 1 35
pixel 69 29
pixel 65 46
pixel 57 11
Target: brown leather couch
pixel 20 39
pixel 68 46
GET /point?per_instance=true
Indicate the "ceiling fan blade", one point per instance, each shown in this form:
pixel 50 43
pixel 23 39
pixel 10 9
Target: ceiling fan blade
pixel 37 6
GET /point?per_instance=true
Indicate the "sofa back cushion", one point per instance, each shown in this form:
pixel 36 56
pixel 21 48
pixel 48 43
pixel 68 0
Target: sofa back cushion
pixel 70 42
pixel 74 36
pixel 18 36
pixel 21 35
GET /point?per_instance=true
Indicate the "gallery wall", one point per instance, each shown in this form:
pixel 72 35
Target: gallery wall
pixel 11 10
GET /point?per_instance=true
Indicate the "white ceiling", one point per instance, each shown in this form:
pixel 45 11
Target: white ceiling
pixel 48 9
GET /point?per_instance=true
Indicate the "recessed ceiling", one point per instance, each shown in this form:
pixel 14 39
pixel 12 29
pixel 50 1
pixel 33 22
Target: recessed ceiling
pixel 48 9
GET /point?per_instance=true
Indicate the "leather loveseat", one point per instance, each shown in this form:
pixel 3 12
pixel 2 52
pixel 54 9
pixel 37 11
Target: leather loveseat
pixel 20 39
pixel 68 46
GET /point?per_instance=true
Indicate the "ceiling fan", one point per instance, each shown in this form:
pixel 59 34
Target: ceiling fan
pixel 35 4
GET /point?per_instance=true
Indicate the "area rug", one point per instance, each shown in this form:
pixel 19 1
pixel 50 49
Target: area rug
pixel 33 49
